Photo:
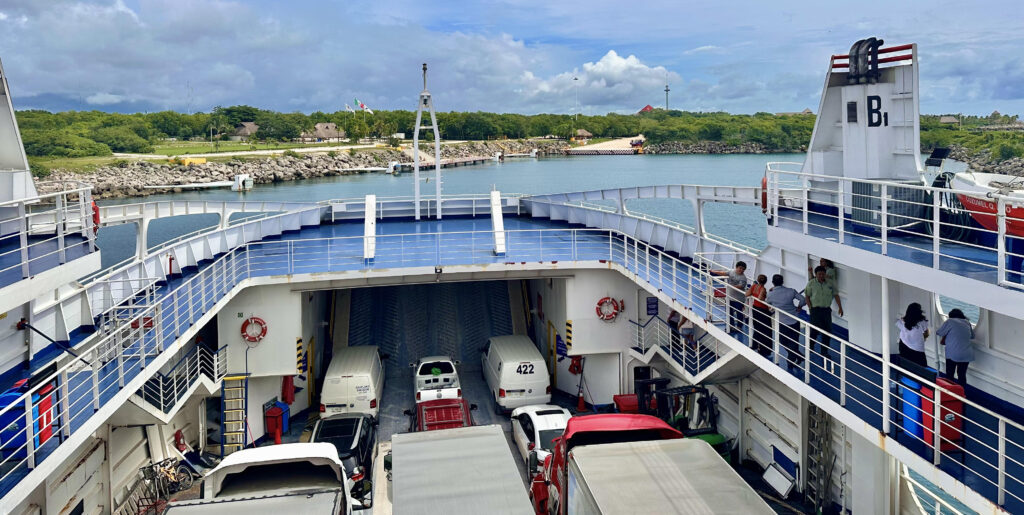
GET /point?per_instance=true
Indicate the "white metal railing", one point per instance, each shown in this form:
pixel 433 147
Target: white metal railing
pixel 45 229
pixel 925 224
pixel 993 441
pixel 166 388
pixel 694 354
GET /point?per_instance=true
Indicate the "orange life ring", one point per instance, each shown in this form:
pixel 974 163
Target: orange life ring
pixel 764 194
pixel 607 309
pixel 254 329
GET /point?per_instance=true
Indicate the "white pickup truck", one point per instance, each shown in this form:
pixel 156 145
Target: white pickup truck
pixel 305 478
pixel 435 378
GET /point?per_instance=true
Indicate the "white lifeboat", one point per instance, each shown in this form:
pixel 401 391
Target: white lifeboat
pixel 981 202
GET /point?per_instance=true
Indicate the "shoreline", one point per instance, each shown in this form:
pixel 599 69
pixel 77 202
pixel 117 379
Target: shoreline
pixel 133 178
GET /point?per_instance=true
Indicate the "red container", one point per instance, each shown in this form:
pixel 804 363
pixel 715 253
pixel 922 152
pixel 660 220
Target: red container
pixel 273 421
pixel 951 413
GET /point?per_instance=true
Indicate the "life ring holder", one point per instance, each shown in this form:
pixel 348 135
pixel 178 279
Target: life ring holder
pixel 249 329
pixel 608 308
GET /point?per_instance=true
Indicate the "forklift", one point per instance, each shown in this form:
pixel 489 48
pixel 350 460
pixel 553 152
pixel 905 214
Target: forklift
pixel 692 410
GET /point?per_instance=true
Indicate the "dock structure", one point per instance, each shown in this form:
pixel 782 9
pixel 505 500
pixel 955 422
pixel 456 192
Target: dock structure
pixel 620 146
pixel 452 162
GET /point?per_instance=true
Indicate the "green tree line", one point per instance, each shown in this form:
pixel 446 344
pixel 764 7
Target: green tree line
pixel 96 133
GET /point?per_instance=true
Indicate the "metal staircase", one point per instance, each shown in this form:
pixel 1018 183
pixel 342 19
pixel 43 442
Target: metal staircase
pixel 234 401
pixel 193 369
pixel 706 360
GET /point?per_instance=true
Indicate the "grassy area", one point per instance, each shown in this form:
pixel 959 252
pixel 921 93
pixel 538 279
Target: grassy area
pixel 177 148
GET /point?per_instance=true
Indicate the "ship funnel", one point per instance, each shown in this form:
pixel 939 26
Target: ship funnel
pixel 868 123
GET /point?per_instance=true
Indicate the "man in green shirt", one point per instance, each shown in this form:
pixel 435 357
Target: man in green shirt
pixel 819 294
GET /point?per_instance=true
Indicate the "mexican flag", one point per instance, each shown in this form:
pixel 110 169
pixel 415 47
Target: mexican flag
pixel 363 106
pixel 349 108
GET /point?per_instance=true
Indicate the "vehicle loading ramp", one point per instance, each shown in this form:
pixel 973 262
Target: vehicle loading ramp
pixel 454 471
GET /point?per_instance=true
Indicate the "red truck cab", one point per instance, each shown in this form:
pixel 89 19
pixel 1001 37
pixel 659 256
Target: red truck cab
pixel 548 486
pixel 441 414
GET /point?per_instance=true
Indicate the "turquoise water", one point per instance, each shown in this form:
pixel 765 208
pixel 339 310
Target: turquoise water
pixel 744 224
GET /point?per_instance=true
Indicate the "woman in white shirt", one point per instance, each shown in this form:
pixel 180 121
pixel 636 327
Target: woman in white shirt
pixel 913 332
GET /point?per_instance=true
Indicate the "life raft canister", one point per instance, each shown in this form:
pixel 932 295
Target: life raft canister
pixel 254 329
pixel 764 194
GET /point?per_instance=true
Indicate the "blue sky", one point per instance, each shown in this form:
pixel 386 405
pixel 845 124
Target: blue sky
pixel 505 56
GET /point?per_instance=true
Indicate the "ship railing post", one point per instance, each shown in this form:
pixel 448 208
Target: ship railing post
pixel 885 219
pixel 1002 463
pixel 776 337
pixel 65 405
pixel 886 401
pixel 95 385
pixel 841 218
pixel 30 437
pixel 842 371
pixel 120 360
pixel 806 183
pixel 23 237
pixel 807 352
pixel 936 427
pixel 936 231
pixel 1001 240
pixel 674 294
pixel 291 257
pixel 59 219
pixel 574 257
pixel 776 199
pixel 611 252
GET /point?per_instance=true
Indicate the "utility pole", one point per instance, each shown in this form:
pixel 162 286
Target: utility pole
pixel 666 96
pixel 576 113
pixel 426 102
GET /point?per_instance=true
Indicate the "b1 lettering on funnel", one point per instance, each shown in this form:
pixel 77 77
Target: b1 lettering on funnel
pixel 876 118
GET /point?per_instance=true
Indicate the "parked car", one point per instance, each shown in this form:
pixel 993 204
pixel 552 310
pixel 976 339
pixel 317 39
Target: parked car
pixel 516 373
pixel 354 435
pixel 354 382
pixel 535 428
pixel 435 377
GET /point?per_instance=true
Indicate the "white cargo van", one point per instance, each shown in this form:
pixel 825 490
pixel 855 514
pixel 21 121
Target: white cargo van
pixel 515 372
pixel 354 382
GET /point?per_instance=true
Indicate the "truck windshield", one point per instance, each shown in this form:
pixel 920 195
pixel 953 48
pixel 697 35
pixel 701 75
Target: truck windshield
pixel 442 367
pixel 547 438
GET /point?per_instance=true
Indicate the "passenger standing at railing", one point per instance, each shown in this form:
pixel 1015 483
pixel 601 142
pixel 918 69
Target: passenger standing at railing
pixel 674 319
pixel 956 334
pixel 913 332
pixel 762 317
pixel 736 287
pixel 819 294
pixel 786 300
pixel 830 272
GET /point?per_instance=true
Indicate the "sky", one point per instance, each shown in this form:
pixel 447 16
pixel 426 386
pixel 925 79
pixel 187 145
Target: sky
pixel 520 56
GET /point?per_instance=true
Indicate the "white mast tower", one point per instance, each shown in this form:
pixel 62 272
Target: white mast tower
pixel 428 103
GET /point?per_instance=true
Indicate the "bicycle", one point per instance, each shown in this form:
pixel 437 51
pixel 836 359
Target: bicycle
pixel 169 476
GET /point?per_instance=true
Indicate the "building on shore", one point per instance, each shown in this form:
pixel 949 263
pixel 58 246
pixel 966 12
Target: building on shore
pixel 244 131
pixel 323 132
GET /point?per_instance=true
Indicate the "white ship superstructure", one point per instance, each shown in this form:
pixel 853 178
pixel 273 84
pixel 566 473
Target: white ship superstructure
pixel 226 319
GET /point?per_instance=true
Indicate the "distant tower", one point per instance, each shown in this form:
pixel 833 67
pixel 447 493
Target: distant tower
pixel 666 96
pixel 426 103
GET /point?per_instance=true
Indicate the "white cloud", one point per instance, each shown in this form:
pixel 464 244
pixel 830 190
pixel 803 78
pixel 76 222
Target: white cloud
pixel 612 83
pixel 703 49
pixel 101 99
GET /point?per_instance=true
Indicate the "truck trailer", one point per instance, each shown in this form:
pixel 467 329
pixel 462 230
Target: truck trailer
pixel 682 475
pixel 467 470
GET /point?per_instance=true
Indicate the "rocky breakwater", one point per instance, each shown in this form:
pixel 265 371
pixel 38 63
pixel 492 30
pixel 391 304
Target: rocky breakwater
pixel 704 147
pixel 130 179
pixel 489 148
pixel 984 162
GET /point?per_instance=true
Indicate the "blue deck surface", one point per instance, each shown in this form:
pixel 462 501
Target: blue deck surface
pixel 978 261
pixel 42 255
pixel 533 240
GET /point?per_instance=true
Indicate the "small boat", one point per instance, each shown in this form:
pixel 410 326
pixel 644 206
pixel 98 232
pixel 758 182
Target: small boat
pixel 983 204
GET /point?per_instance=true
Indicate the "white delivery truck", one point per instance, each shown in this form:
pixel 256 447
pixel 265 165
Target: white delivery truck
pixel 296 478
pixel 516 373
pixel 469 470
pixel 684 475
pixel 354 382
